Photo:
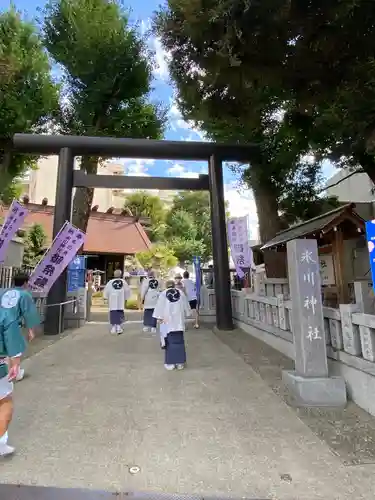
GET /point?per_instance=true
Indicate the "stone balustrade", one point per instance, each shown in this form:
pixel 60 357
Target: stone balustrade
pixel 349 332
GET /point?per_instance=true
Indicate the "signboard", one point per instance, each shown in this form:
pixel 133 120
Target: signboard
pixel 327 270
pixel 370 236
pixel 77 273
pixel 14 220
pixel 198 279
pixel 240 250
pixel 63 249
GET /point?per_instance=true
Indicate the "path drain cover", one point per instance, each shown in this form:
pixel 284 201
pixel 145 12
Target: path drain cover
pixel 134 469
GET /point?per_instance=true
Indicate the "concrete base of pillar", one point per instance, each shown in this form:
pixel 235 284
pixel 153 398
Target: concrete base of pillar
pixel 315 392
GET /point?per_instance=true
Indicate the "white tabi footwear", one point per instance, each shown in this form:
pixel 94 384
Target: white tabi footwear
pixel 6 450
pixel 114 330
pixel 180 367
pixel 169 367
pixel 119 330
pixel 146 329
pixel 20 375
pixel 153 330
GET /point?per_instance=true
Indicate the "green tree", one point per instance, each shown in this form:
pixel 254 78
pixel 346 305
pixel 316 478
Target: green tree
pixel 191 212
pixel 144 204
pixel 28 97
pixel 35 244
pixel 11 191
pixel 108 77
pixel 159 256
pixel 180 223
pixel 212 66
pixel 184 249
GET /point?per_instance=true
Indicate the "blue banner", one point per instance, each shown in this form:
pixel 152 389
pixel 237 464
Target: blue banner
pixel 77 273
pixel 198 279
pixel 370 235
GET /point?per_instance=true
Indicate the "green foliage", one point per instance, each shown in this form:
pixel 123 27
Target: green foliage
pixel 107 78
pixel 28 97
pixel 132 304
pixel 220 57
pixel 10 192
pixel 189 225
pixel 159 256
pixel 144 204
pixel 184 249
pixel 35 244
pixel 181 223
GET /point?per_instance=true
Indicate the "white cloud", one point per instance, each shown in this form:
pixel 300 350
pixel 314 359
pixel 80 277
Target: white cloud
pixel 241 202
pixel 178 170
pixel 176 123
pixel 137 168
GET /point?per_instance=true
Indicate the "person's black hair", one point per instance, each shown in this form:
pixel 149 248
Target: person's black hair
pixel 20 279
pixel 186 275
pixel 210 266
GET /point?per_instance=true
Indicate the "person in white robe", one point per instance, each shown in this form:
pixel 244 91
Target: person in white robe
pixel 191 294
pixel 150 291
pixel 117 292
pixel 171 310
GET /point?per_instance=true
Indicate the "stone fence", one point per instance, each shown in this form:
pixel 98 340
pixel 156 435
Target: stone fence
pixel 349 332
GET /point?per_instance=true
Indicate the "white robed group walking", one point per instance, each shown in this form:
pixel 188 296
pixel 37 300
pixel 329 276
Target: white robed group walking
pixel 171 310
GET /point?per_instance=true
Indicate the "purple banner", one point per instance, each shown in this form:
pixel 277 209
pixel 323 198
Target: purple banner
pixel 240 250
pixel 14 220
pixel 62 251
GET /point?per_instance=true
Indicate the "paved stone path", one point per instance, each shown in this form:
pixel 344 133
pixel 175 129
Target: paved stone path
pixel 95 405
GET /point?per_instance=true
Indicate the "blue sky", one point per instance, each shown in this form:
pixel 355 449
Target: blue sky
pixel 241 201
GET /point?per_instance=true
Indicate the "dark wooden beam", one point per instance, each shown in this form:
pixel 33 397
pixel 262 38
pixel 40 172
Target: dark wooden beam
pixel 81 179
pixel 132 148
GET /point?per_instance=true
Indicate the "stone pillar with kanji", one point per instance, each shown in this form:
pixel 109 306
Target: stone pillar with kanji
pixel 309 384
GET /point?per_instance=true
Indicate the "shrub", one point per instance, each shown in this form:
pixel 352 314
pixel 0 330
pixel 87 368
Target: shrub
pixel 132 304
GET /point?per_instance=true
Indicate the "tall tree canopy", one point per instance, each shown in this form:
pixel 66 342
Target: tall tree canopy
pixel 184 228
pixel 144 204
pixel 189 225
pixel 28 97
pixel 107 78
pixel 220 67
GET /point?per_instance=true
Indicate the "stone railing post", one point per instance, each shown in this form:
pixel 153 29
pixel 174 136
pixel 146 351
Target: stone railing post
pixel 309 385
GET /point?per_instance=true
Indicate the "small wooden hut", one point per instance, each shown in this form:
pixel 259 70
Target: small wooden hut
pixel 331 230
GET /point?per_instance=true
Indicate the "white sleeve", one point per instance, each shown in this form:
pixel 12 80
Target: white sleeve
pixel 106 291
pixel 144 288
pixel 160 306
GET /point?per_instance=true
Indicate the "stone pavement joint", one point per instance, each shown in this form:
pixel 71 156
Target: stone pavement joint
pixel 95 405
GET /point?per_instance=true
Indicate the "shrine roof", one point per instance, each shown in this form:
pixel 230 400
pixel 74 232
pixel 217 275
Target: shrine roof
pixel 322 224
pixel 106 233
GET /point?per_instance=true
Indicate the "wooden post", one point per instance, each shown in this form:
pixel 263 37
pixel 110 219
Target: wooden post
pixel 339 264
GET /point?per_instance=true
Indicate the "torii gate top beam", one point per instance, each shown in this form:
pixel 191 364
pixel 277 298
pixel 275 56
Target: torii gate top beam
pixel 132 148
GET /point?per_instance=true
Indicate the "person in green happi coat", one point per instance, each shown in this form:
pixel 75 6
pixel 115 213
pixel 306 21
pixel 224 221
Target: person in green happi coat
pixel 16 305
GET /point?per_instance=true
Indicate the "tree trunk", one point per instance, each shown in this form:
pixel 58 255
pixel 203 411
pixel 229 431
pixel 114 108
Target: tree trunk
pixel 267 208
pixel 84 196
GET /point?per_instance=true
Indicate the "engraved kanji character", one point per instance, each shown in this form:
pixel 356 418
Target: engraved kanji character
pixel 307 257
pixel 310 302
pixel 313 333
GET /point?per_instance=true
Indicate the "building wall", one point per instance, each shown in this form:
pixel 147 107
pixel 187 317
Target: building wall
pixel 357 188
pixel 41 183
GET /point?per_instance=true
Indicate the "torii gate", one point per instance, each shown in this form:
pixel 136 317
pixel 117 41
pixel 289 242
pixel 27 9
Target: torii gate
pixel 67 147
